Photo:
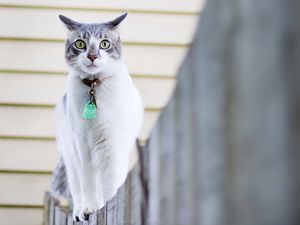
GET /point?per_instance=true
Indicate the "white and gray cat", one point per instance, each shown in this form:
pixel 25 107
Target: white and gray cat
pixel 95 147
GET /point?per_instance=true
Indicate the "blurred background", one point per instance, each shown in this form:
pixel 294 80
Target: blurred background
pixel 156 35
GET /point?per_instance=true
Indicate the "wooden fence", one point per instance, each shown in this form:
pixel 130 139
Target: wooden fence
pixel 226 148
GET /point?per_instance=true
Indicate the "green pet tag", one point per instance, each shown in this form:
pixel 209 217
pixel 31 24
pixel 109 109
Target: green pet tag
pixel 90 110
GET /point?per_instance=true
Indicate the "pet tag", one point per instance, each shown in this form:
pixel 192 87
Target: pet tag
pixel 90 110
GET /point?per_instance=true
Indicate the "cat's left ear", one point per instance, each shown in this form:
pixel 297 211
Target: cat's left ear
pixel 70 24
pixel 114 24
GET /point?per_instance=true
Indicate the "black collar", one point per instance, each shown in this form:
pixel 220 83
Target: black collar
pixel 91 83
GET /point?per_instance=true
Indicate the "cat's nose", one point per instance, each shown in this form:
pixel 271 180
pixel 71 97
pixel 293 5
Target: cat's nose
pixel 92 57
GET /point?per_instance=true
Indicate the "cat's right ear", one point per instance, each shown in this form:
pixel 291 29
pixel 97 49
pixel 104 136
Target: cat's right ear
pixel 113 25
pixel 70 24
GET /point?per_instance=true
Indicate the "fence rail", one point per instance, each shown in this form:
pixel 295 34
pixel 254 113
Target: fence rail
pixel 226 147
pixel 124 208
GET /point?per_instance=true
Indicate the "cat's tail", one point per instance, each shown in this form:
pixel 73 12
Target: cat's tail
pixel 59 184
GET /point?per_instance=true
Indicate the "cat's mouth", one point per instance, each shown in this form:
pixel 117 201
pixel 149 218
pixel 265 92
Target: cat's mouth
pixel 92 65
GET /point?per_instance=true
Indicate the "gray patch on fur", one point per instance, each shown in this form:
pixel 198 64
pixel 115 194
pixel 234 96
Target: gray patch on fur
pixel 59 184
pixel 71 52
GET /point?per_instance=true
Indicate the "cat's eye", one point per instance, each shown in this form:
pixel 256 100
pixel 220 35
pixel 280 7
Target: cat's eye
pixel 104 44
pixel 80 44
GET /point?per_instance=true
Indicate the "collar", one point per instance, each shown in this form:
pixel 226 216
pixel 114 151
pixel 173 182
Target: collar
pixel 91 83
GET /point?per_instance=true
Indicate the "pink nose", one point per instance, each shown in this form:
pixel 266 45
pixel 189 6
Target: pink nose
pixel 92 57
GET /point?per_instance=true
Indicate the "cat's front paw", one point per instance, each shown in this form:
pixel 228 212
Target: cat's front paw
pixel 87 209
pixel 76 211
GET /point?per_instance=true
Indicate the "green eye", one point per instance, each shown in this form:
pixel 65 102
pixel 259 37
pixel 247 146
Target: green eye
pixel 104 44
pixel 80 44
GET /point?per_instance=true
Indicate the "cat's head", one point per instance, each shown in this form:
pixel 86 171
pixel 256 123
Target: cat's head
pixel 92 48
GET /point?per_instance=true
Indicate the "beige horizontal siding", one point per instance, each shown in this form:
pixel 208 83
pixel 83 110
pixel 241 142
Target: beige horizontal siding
pixel 21 216
pixel 39 122
pixel 47 89
pixel 32 155
pixel 23 189
pixel 166 6
pixel 49 56
pixel 156 35
pixel 137 28
pixel 28 155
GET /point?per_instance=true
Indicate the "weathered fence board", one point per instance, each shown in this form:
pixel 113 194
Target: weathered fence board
pixel 225 150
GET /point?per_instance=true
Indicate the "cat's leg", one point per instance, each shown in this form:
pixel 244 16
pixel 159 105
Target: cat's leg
pixel 74 185
pixel 67 148
pixel 91 187
pixel 114 175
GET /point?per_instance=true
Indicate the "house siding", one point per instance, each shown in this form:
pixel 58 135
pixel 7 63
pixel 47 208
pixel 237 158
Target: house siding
pixel 155 38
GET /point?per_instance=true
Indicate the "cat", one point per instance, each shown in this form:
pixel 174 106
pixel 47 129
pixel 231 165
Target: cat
pixel 99 118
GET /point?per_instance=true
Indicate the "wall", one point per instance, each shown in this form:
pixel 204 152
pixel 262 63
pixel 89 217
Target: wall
pixel 33 74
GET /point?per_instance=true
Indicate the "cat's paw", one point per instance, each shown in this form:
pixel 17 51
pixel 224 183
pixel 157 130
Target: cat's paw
pixel 87 209
pixel 76 211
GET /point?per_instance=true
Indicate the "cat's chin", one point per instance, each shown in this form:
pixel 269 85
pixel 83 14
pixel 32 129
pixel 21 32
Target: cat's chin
pixel 91 70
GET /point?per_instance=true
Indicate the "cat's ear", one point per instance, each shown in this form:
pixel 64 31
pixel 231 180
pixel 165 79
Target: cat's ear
pixel 70 24
pixel 114 24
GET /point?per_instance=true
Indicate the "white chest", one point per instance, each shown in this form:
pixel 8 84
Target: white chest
pixel 117 101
